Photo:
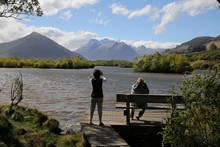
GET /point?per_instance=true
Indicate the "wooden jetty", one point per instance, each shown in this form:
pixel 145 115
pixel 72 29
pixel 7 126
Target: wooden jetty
pixel 120 130
pixel 102 136
pixel 107 135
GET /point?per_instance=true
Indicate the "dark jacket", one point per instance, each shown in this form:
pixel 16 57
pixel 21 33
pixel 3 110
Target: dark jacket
pixel 97 91
pixel 140 89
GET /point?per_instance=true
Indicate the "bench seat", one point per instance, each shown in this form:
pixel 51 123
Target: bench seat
pixel 154 101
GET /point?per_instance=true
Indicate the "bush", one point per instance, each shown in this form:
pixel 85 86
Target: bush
pixel 199 123
pixel 53 126
pixel 17 116
pixel 70 141
pixel 35 140
pixel 5 125
pixel 40 118
pixel 201 64
pixel 2 144
pixel 170 63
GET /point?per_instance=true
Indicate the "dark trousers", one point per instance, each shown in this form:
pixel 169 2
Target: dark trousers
pixel 141 112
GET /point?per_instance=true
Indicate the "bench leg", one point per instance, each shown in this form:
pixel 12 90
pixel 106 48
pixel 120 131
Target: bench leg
pixel 128 113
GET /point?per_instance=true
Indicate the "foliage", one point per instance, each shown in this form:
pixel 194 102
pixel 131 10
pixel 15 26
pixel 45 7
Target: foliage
pixel 171 63
pixel 199 123
pixel 203 65
pixel 25 126
pixel 64 63
pixel 205 60
pixel 29 132
pixel 206 55
pixel 53 126
pixel 16 8
pixel 120 63
pixel 212 47
pixel 69 140
pixel 5 125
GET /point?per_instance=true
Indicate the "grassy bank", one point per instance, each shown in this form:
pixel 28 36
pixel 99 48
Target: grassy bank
pixel 25 127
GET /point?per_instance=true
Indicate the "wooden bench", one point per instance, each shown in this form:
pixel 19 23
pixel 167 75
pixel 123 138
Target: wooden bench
pixel 123 101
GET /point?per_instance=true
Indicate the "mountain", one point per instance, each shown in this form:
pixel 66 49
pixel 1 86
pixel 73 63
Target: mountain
pixel 34 46
pixel 142 50
pixel 106 49
pixel 197 44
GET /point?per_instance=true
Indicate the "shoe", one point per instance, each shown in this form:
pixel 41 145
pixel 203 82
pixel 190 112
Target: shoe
pixel 101 124
pixel 91 123
pixel 137 117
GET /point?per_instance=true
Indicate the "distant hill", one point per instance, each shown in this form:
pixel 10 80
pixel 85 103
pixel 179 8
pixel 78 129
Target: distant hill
pixel 203 43
pixel 106 49
pixel 142 50
pixel 35 46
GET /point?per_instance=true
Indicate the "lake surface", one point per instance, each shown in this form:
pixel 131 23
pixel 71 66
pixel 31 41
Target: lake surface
pixel 64 94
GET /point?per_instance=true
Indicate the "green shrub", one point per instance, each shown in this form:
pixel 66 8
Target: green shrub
pixel 201 64
pixel 170 63
pixel 5 125
pixel 199 123
pixel 35 140
pixel 40 118
pixel 53 126
pixel 70 141
pixel 65 63
pixel 2 144
pixel 17 116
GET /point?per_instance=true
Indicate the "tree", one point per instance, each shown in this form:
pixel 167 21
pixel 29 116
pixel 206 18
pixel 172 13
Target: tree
pixel 219 3
pixel 16 8
pixel 16 92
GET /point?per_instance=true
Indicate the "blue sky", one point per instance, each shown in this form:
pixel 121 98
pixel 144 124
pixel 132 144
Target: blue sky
pixel 153 23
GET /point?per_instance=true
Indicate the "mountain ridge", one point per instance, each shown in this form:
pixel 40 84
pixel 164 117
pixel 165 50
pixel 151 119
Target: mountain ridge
pixel 201 43
pixel 35 46
pixel 106 49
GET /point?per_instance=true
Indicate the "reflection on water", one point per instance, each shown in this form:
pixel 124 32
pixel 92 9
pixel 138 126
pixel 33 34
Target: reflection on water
pixel 65 94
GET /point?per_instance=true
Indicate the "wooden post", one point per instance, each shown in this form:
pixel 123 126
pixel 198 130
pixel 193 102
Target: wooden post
pixel 128 109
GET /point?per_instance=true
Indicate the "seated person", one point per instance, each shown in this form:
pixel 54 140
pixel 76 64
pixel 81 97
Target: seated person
pixel 140 87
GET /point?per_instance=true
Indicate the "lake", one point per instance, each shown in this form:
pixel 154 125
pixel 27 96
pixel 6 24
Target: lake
pixel 64 94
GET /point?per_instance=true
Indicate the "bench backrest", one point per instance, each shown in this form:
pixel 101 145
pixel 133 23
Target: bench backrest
pixel 148 98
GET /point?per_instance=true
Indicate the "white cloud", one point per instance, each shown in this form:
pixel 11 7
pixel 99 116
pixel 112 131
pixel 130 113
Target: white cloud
pixel 148 9
pixel 168 13
pixel 119 9
pixel 122 10
pixel 66 15
pixel 172 11
pixel 51 7
pixel 100 20
pixel 70 40
pixel 10 32
pixel 152 44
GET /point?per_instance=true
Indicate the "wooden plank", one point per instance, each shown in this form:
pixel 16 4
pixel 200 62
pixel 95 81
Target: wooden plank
pixel 152 106
pixel 102 136
pixel 148 98
pixel 116 117
pixel 121 97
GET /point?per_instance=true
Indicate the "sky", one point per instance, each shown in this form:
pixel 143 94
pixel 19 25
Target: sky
pixel 153 23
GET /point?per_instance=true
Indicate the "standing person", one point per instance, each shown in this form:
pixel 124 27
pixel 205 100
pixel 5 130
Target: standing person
pixel 140 87
pixel 97 79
